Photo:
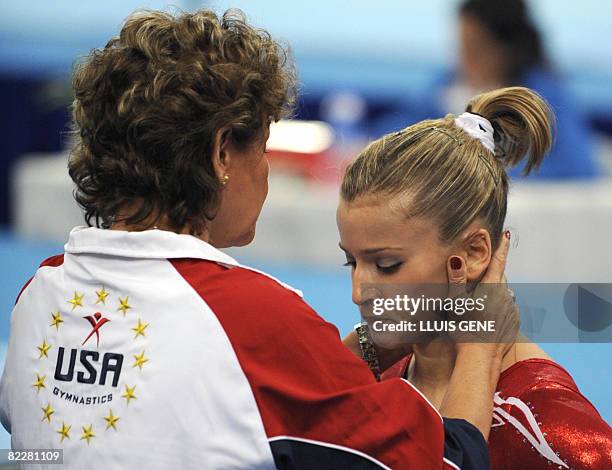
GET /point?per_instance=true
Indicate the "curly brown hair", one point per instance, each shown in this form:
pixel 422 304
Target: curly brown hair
pixel 149 104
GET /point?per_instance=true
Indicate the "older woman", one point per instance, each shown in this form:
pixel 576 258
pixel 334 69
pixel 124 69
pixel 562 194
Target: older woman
pixel 144 345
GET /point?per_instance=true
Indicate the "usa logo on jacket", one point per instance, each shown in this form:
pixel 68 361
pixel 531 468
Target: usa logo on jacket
pixel 85 358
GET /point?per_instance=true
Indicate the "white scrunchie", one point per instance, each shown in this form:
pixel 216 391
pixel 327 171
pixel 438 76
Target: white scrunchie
pixel 479 128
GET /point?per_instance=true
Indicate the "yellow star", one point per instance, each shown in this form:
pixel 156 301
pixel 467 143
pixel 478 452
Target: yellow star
pixel 140 328
pixel 123 305
pixel 48 411
pixel 44 349
pixel 40 382
pixel 129 394
pixel 140 360
pixel 88 433
pixel 64 432
pixel 111 420
pixel 102 295
pixel 57 319
pixel 77 300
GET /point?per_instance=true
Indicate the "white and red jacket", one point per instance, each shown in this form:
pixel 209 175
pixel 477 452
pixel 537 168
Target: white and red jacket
pixel 156 350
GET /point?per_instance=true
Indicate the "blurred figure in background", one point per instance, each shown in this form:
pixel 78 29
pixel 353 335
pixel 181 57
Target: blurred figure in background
pixel 499 45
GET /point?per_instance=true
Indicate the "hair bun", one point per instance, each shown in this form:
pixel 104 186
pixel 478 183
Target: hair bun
pixel 522 122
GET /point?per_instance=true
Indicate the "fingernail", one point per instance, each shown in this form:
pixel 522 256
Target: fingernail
pixel 455 262
pixel 507 234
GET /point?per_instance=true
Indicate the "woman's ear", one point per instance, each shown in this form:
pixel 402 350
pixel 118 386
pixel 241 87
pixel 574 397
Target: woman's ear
pixel 476 245
pixel 221 154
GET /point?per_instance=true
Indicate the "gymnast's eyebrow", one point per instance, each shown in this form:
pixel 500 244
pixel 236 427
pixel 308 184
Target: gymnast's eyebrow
pixel 370 251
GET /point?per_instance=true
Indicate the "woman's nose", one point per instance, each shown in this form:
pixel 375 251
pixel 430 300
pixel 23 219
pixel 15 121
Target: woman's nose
pixel 363 288
pixel 357 286
pixel 356 297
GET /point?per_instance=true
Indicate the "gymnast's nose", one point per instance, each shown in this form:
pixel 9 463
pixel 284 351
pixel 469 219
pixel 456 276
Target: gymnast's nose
pixel 364 290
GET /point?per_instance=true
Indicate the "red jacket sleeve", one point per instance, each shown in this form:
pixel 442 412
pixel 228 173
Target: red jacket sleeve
pixel 307 385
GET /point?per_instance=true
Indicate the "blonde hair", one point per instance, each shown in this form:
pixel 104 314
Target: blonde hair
pixel 437 170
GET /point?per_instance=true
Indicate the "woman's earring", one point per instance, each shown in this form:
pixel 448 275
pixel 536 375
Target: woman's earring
pixel 224 180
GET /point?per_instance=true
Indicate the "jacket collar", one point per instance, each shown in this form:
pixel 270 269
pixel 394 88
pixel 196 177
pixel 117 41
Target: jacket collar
pixel 155 244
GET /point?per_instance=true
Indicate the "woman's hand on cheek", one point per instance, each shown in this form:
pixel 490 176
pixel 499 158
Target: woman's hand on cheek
pixel 499 305
pixel 457 276
pixel 478 362
pixel 497 266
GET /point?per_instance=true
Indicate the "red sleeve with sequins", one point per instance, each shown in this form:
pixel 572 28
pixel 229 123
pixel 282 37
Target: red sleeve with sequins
pixel 541 420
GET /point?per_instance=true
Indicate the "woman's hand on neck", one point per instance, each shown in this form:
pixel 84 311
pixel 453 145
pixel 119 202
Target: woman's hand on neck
pixel 432 365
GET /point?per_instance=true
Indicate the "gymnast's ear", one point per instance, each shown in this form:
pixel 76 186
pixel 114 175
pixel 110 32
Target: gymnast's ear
pixel 476 246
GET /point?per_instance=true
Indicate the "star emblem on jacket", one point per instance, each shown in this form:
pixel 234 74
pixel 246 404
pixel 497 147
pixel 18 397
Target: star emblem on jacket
pixel 76 378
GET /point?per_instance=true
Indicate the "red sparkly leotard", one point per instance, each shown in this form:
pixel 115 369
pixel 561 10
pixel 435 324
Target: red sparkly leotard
pixel 541 420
